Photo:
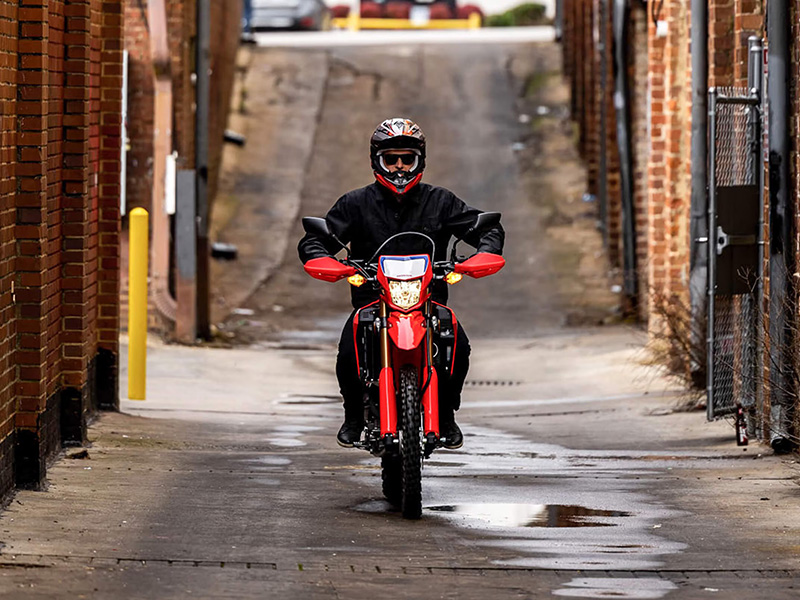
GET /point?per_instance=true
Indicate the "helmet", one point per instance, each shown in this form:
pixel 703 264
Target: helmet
pixel 393 134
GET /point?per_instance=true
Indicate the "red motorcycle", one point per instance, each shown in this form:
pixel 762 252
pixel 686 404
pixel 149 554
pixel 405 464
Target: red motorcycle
pixel 405 341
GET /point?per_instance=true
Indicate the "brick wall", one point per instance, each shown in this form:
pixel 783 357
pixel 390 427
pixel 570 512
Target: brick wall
pixel 9 45
pixel 640 146
pixel 51 60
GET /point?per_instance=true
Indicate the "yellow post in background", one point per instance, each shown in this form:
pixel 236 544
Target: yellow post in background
pixel 137 304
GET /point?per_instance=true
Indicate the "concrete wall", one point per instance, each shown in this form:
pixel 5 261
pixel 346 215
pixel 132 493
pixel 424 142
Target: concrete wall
pixel 60 83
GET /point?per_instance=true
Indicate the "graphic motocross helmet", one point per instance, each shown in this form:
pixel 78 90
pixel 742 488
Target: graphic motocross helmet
pixel 396 134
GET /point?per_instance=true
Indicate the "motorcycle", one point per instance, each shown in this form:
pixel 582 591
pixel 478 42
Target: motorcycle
pixel 404 342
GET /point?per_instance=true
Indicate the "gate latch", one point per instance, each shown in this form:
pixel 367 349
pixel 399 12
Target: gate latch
pixel 724 240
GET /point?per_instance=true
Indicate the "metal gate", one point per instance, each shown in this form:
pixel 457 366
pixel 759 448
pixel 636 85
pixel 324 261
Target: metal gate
pixel 735 250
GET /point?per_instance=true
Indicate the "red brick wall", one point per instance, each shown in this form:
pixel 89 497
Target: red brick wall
pixel 8 163
pixel 109 110
pixel 640 146
pixel 748 19
pixel 49 226
pixel 720 42
pixel 139 182
pixel 226 23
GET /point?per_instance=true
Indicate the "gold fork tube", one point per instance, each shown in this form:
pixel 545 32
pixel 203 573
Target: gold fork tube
pixel 384 313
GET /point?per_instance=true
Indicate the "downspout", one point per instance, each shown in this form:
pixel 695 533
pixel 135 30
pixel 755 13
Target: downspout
pixel 621 95
pixel 604 7
pixel 698 254
pixel 162 147
pixel 781 230
pixel 203 91
pixel 558 23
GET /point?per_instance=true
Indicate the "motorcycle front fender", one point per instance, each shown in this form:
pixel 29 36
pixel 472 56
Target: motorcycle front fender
pixel 407 330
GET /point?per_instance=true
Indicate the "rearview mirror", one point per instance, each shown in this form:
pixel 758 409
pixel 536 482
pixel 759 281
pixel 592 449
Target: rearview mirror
pixel 316 226
pixel 486 220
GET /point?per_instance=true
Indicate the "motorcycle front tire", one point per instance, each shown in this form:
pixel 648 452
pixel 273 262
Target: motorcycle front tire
pixel 410 443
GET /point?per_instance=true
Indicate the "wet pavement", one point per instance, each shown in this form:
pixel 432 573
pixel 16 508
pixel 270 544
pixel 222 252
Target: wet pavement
pixel 579 478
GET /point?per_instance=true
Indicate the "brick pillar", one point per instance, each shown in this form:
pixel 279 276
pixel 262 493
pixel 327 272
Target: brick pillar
pixel 657 214
pixel 78 260
pixel 640 147
pixel 613 178
pixel 108 274
pixel 9 48
pixel 720 43
pixel 37 432
pixel 748 19
pixel 678 147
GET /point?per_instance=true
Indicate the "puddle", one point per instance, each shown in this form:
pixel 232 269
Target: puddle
pixel 633 589
pixel 532 515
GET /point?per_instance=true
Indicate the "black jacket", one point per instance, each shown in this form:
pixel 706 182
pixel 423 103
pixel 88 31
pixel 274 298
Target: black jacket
pixel 367 217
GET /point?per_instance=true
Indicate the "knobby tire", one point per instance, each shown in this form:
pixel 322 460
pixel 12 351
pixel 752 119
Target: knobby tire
pixel 410 447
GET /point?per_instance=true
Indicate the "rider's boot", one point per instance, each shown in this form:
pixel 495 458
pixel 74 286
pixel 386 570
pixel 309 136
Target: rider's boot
pixel 450 432
pixel 350 431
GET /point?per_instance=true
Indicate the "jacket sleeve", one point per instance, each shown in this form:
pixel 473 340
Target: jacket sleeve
pixel 340 221
pixel 491 240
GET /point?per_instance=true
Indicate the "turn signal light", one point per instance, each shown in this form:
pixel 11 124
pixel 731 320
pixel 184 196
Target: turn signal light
pixel 452 278
pixel 356 280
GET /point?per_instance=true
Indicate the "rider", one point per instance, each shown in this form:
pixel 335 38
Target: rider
pixel 367 217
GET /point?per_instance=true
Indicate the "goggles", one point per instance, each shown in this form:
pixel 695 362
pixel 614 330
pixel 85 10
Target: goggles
pixel 409 158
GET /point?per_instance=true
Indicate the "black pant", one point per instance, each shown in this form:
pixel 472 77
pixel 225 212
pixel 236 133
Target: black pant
pixel 350 382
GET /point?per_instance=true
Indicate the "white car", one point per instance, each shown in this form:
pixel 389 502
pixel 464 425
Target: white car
pixel 289 14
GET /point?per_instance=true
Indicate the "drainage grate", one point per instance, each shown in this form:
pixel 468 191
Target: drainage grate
pixel 491 383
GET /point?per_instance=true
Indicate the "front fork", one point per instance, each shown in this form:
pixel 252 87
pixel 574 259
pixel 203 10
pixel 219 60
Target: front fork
pixel 387 383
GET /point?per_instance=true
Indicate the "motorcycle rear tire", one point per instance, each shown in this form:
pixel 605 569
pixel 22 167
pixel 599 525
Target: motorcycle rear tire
pixel 391 477
pixel 410 446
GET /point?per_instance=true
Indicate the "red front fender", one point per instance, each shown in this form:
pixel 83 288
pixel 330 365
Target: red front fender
pixel 407 331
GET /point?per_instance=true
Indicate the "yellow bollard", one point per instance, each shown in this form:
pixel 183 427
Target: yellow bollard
pixel 354 20
pixel 137 304
pixel 474 21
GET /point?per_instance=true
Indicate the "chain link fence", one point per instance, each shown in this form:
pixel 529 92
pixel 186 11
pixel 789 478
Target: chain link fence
pixel 734 324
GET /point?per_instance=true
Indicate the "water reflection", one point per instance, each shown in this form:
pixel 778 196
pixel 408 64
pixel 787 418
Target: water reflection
pixel 533 515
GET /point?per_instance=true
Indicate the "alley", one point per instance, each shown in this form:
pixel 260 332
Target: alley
pixel 579 476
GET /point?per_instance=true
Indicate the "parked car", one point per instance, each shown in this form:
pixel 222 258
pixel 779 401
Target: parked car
pixel 289 14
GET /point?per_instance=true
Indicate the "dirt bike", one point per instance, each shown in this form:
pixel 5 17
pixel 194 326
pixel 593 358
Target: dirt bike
pixel 404 342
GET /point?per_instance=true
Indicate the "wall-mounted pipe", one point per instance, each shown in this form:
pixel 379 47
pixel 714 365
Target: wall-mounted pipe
pixel 781 229
pixel 621 95
pixel 203 92
pixel 698 227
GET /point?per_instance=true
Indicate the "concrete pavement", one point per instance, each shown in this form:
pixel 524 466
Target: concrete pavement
pixel 227 482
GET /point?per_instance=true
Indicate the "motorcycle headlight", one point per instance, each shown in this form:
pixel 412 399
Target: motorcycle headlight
pixel 405 294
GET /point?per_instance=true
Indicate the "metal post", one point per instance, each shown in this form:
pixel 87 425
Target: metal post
pixel 620 22
pixel 559 20
pixel 203 90
pixel 123 167
pixel 698 254
pixel 781 230
pixel 711 251
pixel 755 81
pixel 186 258
pixel 137 304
